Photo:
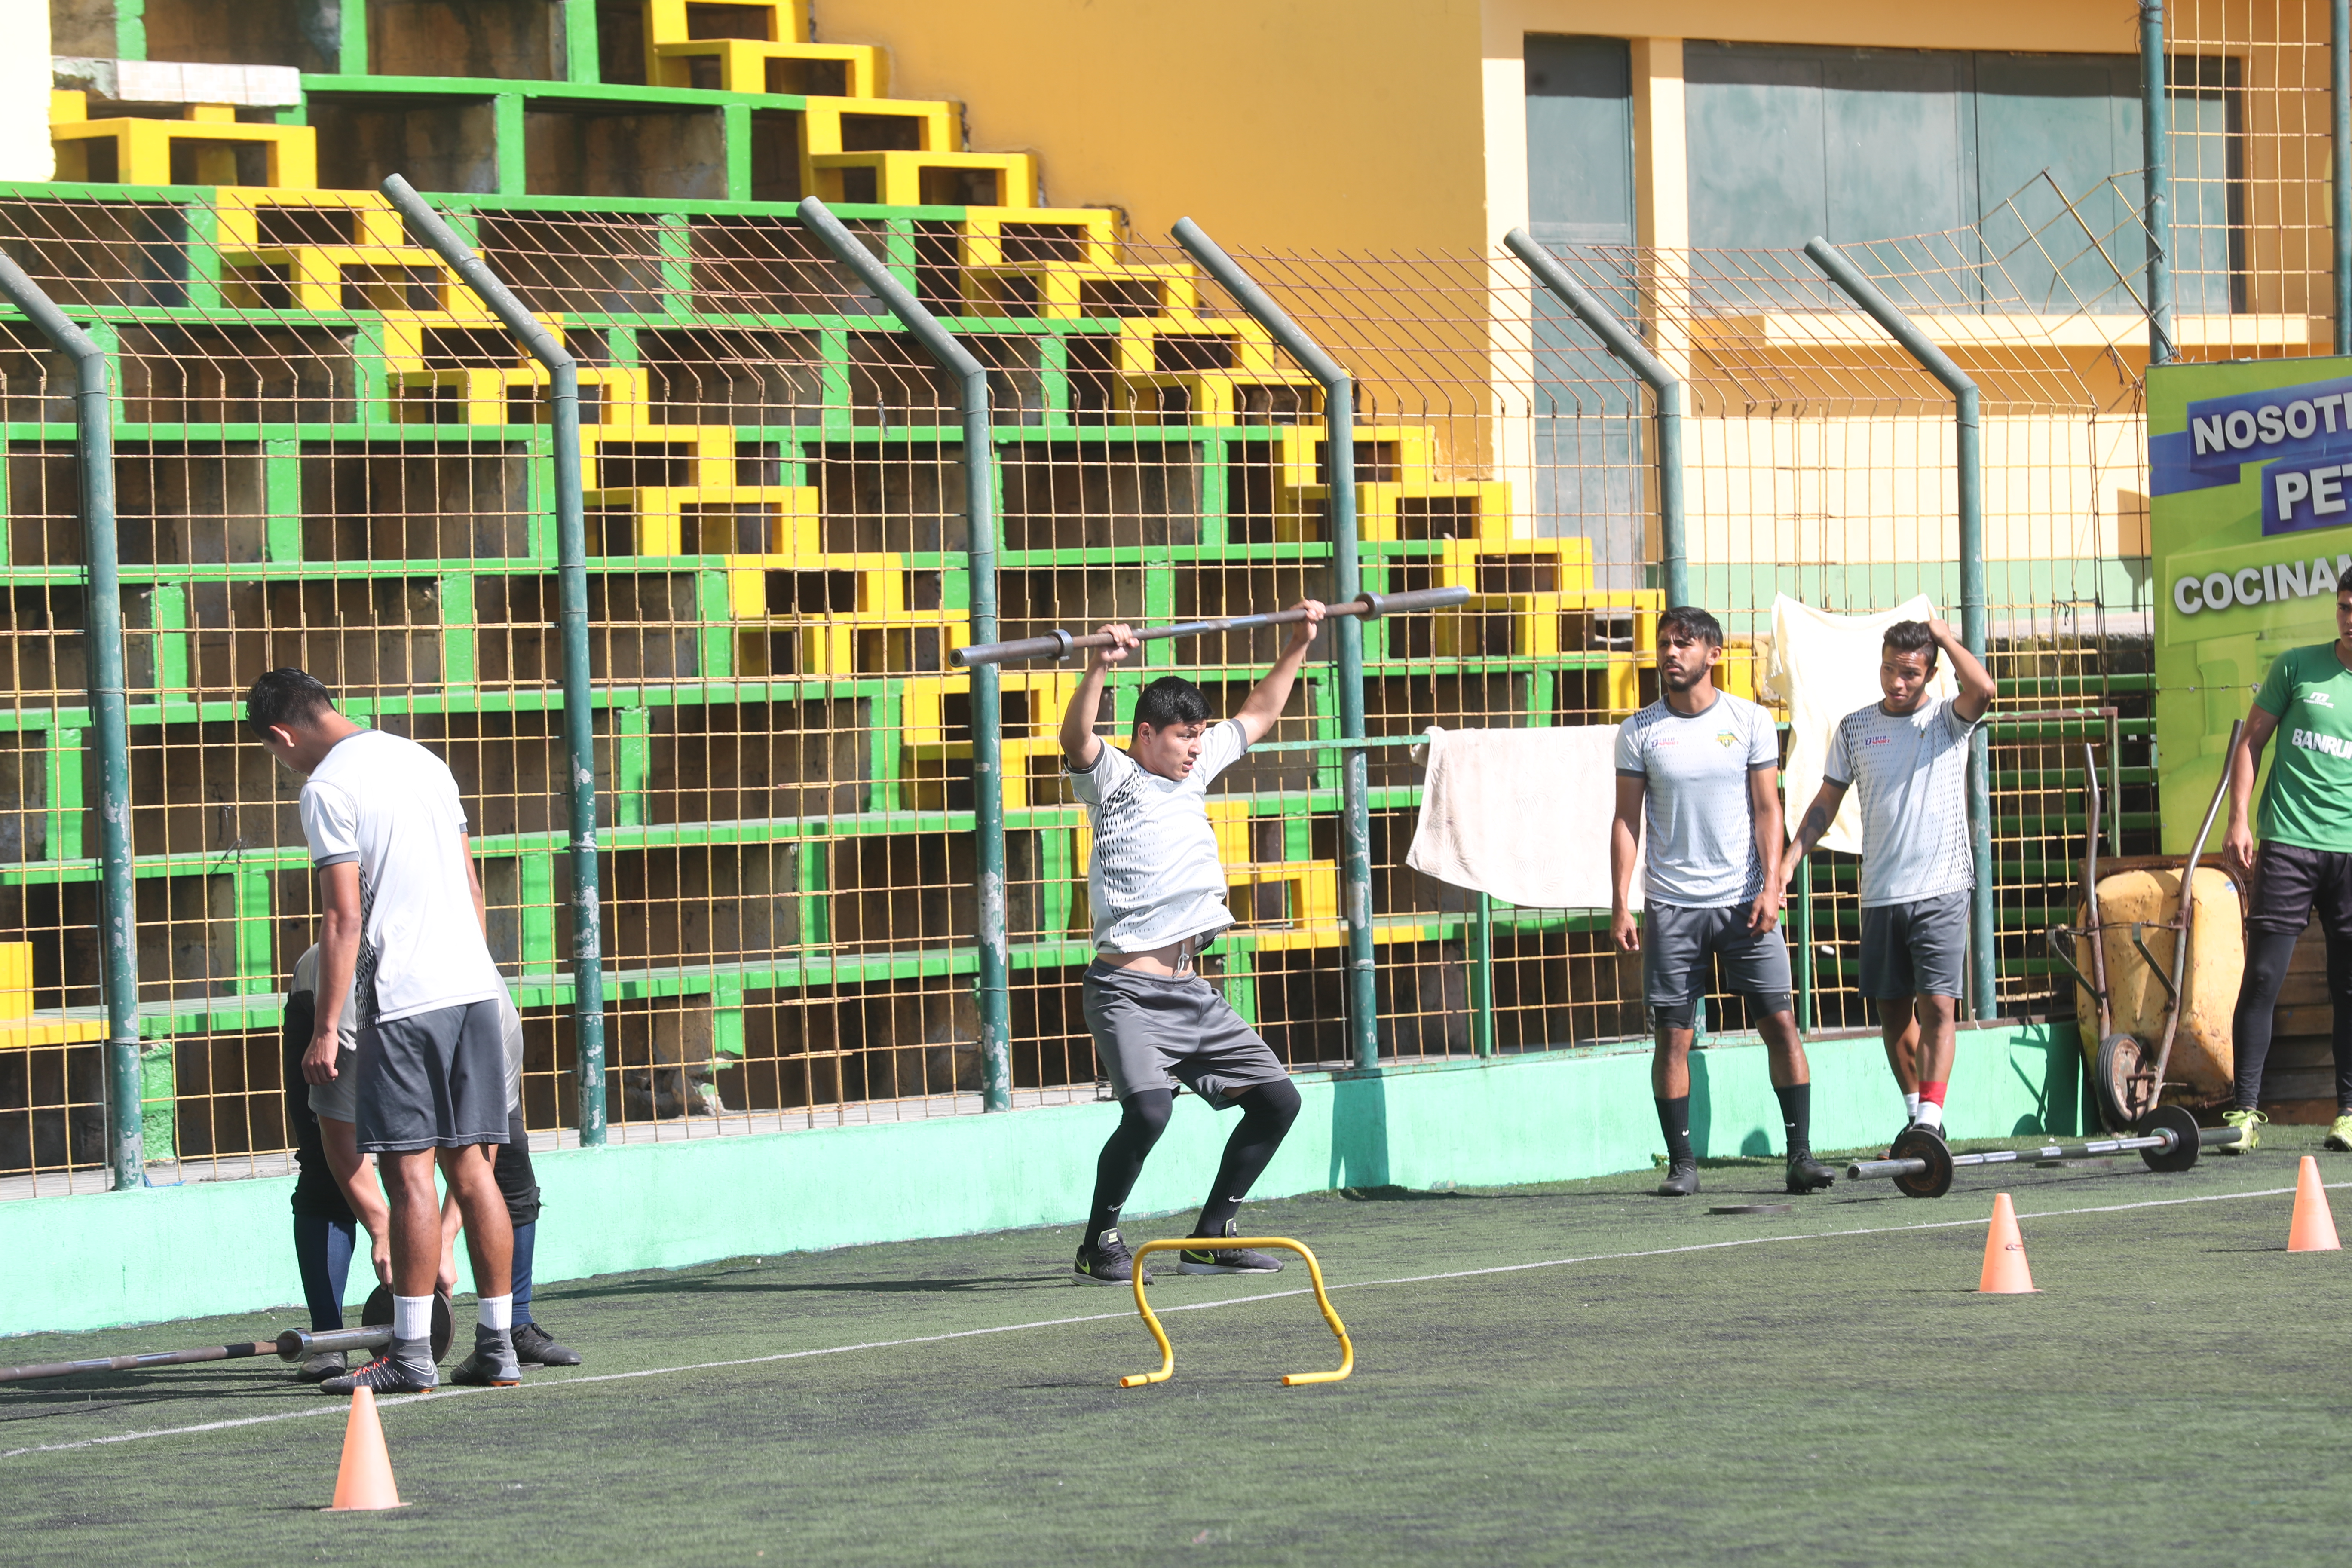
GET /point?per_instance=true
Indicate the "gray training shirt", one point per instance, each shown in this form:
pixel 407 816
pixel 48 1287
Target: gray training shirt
pixel 1700 844
pixel 1911 771
pixel 1156 877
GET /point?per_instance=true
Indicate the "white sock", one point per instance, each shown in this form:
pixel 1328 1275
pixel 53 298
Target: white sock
pixel 1911 1106
pixel 498 1312
pixel 1931 1115
pixel 412 1317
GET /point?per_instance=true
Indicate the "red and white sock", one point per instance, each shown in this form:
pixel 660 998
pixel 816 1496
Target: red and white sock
pixel 1931 1104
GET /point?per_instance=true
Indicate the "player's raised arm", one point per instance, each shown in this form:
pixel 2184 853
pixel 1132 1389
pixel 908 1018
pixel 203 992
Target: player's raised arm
pixel 1270 696
pixel 1080 745
pixel 1978 688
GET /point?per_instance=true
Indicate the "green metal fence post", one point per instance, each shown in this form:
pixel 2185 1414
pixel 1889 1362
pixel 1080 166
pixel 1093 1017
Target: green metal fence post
pixel 1482 975
pixel 578 698
pixel 2339 171
pixel 2156 142
pixel 1339 458
pixel 1970 431
pixel 102 634
pixel 994 992
pixel 1665 386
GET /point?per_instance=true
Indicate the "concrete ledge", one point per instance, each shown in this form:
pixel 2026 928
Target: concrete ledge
pixel 97 1260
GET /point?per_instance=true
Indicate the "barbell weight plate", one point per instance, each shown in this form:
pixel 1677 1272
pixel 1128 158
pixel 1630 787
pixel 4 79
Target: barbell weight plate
pixel 378 1312
pixel 1922 1144
pixel 1752 1208
pixel 2186 1145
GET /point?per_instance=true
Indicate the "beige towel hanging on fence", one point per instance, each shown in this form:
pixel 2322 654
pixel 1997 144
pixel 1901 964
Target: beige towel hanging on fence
pixel 1521 814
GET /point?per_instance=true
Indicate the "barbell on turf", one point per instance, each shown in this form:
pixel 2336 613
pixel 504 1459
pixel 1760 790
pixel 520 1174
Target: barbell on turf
pixel 1061 645
pixel 1921 1164
pixel 373 1334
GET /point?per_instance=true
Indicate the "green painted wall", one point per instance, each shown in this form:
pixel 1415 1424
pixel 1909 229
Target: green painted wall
pixel 100 1259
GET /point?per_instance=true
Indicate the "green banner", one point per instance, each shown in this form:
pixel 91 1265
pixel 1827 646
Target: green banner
pixel 2250 526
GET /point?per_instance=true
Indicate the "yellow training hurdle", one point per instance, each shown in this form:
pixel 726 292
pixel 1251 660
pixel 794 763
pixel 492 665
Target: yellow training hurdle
pixel 1168 1351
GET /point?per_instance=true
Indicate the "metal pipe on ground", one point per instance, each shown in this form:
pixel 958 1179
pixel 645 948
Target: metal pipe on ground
pixel 1665 385
pixel 994 993
pixel 579 698
pixel 1968 430
pixel 1340 465
pixel 102 634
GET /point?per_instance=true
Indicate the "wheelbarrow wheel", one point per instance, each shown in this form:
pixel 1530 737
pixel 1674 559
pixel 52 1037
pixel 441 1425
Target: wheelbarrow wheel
pixel 2123 1097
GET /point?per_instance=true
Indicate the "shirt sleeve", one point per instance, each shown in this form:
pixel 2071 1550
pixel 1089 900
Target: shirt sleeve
pixel 2278 686
pixel 1221 748
pixel 1837 768
pixel 1763 740
pixel 329 825
pixel 1960 728
pixel 1629 752
pixel 1099 783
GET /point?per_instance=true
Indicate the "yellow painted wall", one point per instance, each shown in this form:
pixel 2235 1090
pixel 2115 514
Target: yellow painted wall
pixel 1336 125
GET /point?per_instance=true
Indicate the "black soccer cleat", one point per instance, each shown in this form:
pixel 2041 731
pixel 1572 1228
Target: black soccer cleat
pixel 1107 1262
pixel 493 1363
pixel 1225 1260
pixel 1682 1180
pixel 534 1346
pixel 402 1368
pixel 1807 1174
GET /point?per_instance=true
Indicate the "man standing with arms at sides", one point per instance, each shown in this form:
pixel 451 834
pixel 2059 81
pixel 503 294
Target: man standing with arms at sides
pixel 403 925
pixel 2305 857
pixel 1158 894
pixel 1703 767
pixel 1909 757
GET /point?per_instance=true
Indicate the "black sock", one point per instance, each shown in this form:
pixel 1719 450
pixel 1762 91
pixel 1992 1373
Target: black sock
pixel 2268 952
pixel 1674 1120
pixel 1797 1116
pixel 323 1254
pixel 1143 1117
pixel 1267 1112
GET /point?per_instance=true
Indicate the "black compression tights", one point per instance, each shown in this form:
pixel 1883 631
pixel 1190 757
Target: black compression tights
pixel 1267 1111
pixel 2268 954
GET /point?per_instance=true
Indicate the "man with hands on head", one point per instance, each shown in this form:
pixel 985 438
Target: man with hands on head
pixel 1908 754
pixel 1701 769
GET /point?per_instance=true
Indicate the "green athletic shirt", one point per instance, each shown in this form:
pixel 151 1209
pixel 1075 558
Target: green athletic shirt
pixel 2308 800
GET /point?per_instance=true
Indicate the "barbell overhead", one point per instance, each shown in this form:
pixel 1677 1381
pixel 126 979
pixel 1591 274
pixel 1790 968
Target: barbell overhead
pixel 1061 645
pixel 1922 1165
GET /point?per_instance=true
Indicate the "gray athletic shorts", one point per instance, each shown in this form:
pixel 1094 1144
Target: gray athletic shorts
pixel 432 1080
pixel 339 1098
pixel 1148 1027
pixel 1915 949
pixel 1676 944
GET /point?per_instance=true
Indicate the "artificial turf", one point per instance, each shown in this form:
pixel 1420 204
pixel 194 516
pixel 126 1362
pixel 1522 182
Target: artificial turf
pixel 1831 1392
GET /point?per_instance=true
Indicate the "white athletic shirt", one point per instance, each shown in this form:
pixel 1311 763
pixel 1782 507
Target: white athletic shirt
pixel 390 805
pixel 1155 877
pixel 347 1027
pixel 1699 848
pixel 1911 770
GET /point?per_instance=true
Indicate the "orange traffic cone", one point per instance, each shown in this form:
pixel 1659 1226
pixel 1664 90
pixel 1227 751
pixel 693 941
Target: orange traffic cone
pixel 2005 1273
pixel 366 1479
pixel 2313 1229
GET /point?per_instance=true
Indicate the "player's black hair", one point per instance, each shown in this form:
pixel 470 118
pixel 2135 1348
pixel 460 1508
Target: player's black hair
pixel 1692 621
pixel 1911 636
pixel 1172 699
pixel 286 696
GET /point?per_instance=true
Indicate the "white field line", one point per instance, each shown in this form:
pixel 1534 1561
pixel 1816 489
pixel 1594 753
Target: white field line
pixel 547 1384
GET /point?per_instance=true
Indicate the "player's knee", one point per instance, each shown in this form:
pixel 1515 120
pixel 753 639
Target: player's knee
pixel 1274 1103
pixel 1144 1116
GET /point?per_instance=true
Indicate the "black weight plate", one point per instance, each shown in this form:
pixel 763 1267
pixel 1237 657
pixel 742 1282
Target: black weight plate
pixel 2176 1120
pixel 2121 1099
pixel 1920 1143
pixel 378 1310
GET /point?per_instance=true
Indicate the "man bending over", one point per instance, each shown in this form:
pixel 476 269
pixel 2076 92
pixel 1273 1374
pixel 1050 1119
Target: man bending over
pixel 1158 892
pixel 403 926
